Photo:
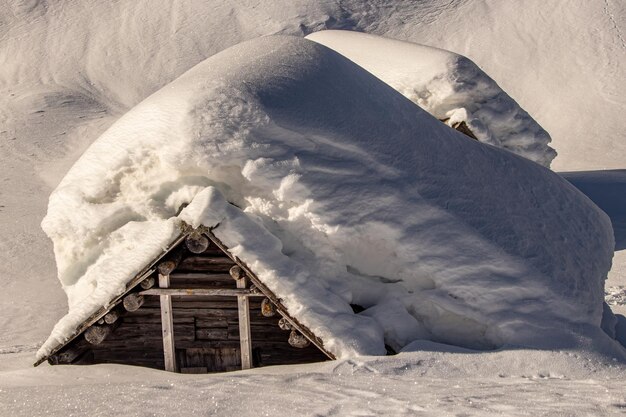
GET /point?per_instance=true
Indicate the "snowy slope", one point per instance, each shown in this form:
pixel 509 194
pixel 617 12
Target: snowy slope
pixel 119 53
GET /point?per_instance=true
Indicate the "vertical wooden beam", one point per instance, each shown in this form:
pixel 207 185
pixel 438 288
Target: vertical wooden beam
pixel 167 326
pixel 245 337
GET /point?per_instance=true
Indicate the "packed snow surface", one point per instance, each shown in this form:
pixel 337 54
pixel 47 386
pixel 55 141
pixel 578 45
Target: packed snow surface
pixel 448 86
pixel 427 380
pixel 343 192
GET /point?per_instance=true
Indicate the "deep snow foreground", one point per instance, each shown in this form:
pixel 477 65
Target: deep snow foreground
pixel 432 381
pixel 349 194
pixel 448 86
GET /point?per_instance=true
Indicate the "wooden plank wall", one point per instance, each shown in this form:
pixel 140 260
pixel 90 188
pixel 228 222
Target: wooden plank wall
pixel 206 329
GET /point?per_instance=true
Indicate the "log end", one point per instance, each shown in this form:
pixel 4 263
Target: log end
pixel 132 302
pixel 148 283
pixel 297 340
pixel 96 334
pixel 237 273
pixel 196 242
pixel 284 324
pixel 267 308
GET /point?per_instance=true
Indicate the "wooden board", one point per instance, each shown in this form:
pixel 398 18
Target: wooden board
pixel 167 326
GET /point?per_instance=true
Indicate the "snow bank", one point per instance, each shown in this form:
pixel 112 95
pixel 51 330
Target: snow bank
pixel 349 194
pixel 448 86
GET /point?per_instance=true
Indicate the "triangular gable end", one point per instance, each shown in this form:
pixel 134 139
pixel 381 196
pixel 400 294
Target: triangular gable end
pixel 185 312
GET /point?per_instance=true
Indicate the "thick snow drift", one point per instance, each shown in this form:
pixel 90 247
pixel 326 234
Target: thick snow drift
pixel 350 193
pixel 448 86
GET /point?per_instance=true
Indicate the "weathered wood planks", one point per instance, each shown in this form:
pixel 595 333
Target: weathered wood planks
pixel 205 322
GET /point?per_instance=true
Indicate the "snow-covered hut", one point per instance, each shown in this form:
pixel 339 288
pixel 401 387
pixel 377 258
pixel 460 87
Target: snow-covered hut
pixel 193 309
pixel 344 193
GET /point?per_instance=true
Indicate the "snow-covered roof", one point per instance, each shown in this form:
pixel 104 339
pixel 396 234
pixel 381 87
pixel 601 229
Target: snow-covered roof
pixel 349 193
pixel 448 86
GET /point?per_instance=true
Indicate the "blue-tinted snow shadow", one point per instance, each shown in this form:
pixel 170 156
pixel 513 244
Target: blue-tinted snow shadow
pixel 608 190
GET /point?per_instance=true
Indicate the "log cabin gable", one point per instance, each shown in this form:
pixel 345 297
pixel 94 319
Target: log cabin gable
pixel 195 309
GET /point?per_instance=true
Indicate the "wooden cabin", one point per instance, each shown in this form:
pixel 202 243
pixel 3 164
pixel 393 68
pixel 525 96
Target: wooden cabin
pixel 194 309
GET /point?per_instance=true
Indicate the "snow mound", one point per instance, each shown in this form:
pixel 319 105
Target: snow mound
pixel 448 86
pixel 349 194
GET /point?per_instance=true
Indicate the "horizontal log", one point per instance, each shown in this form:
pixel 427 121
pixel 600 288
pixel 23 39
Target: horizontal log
pixel 271 352
pixel 205 261
pixel 211 323
pixel 148 321
pixel 193 284
pixel 185 314
pixel 128 359
pixel 205 301
pixel 258 334
pixel 203 276
pixel 135 339
pixel 145 310
pixel 200 292
pixel 140 354
pixel 210 252
pixel 212 334
pixel 185 303
pixel 141 341
pixel 151 328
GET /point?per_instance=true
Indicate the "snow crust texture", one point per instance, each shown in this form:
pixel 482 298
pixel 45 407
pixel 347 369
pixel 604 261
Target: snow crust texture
pixel 349 194
pixel 448 86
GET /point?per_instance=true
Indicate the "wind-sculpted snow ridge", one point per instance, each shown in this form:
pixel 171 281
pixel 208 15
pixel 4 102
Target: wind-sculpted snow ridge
pixel 343 192
pixel 448 86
